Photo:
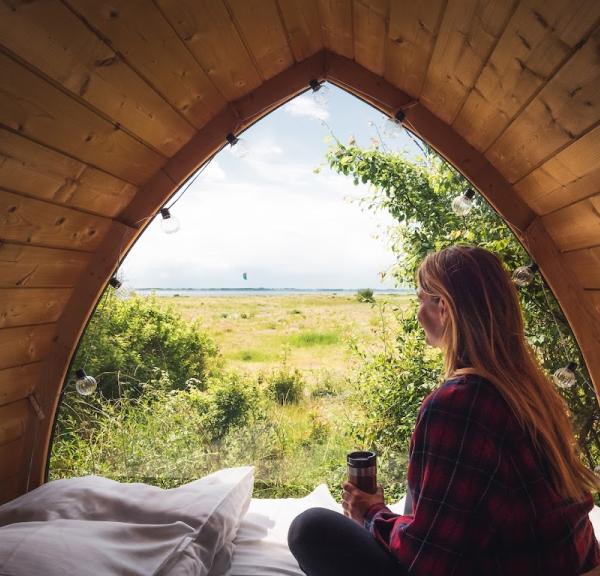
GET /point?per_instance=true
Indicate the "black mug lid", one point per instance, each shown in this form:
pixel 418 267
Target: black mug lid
pixel 361 459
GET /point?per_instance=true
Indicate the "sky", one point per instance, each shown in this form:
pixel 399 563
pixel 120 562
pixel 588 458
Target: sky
pixel 269 214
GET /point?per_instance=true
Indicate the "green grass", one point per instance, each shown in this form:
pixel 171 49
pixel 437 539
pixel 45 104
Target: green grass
pixel 309 339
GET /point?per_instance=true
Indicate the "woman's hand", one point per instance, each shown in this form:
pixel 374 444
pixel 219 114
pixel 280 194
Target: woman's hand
pixel 356 503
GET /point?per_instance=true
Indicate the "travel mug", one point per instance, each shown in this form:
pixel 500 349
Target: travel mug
pixel 362 470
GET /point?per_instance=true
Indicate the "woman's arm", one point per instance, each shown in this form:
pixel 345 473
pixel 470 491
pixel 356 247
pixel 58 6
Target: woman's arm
pixel 455 457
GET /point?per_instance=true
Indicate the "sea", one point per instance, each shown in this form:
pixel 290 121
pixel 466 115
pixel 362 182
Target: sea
pixel 262 291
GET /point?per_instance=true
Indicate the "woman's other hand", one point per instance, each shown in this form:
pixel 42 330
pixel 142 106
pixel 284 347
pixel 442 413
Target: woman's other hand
pixel 356 503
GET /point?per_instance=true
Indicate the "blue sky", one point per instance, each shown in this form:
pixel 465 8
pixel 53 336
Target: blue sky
pixel 269 215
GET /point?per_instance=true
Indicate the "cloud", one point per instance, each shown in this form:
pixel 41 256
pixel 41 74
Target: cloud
pixel 306 106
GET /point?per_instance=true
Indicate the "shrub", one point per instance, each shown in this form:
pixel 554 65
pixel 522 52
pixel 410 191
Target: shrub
pixel 285 385
pixel 365 295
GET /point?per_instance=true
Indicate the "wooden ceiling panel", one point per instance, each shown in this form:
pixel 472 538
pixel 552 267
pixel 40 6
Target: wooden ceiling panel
pixel 35 170
pixel 262 31
pixel 28 306
pixel 412 31
pixel 25 345
pixel 336 26
pixel 206 28
pixel 585 264
pixel 13 420
pixel 35 108
pixel 303 27
pixel 594 298
pixel 35 267
pixel 567 107
pixel 370 31
pixel 153 49
pixel 11 455
pixel 539 38
pixel 469 32
pixel 35 222
pixel 19 382
pixel 569 176
pixel 73 56
pixel 576 226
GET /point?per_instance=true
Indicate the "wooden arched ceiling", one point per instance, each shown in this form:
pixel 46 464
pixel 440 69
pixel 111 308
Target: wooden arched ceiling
pixel 106 107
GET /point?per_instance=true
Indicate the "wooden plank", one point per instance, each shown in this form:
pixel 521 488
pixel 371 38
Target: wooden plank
pixel 370 32
pixel 303 26
pixel 206 28
pixel 25 344
pixel 35 108
pixel 37 222
pixel 585 264
pixel 594 297
pixel 573 300
pixel 576 226
pixel 10 488
pixel 413 29
pixel 566 108
pixel 27 306
pixel 12 457
pixel 152 48
pixel 263 34
pixel 36 267
pixel 35 170
pixel 569 176
pixel 13 420
pixel 336 26
pixel 19 382
pixel 539 38
pixel 469 32
pixel 90 69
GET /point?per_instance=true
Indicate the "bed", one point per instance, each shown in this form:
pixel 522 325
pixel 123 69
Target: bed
pixel 210 527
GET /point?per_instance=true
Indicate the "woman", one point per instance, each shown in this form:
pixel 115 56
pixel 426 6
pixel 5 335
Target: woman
pixel 498 487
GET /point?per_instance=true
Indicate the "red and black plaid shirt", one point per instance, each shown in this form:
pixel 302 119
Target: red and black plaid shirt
pixel 483 503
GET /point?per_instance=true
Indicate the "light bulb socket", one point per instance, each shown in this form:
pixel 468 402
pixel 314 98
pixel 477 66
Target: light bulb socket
pixel 533 267
pixel 164 212
pixel 470 193
pixel 571 366
pixel 115 283
pixel 315 85
pixel 80 373
pixel 232 139
pixel 400 116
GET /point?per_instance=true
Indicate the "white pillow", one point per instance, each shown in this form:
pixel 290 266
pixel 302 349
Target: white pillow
pixel 93 525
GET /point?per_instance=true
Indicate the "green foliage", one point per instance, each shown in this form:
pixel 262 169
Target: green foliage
pixel 285 385
pixel 418 194
pixel 127 339
pixel 365 295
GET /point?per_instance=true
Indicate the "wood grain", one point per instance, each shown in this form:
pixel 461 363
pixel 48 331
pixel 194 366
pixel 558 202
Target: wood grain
pixel 336 26
pixel 26 344
pixel 19 382
pixel 303 27
pixel 28 306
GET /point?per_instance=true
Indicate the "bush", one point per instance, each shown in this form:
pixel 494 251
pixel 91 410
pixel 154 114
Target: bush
pixel 365 295
pixel 286 386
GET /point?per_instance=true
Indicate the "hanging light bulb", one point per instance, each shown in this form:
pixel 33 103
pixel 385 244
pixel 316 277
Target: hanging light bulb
pixel 320 92
pixel 462 204
pixel 392 128
pixel 115 283
pixel 565 377
pixel 85 384
pixel 239 147
pixel 523 275
pixel 169 223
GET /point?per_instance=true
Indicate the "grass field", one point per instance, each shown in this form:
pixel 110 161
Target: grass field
pixel 311 332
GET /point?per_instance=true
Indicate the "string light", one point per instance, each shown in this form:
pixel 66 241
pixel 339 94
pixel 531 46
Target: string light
pixel 239 147
pixel 565 377
pixel 320 92
pixel 85 384
pixel 462 204
pixel 392 127
pixel 115 283
pixel 169 223
pixel 523 275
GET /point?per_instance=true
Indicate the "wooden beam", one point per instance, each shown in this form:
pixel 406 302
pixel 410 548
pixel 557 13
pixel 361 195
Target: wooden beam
pixel 568 292
pixel 585 264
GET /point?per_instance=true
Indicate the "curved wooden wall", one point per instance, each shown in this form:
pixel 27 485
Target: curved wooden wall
pixel 106 108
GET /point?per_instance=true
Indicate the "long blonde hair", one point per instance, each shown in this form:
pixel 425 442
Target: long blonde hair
pixel 484 335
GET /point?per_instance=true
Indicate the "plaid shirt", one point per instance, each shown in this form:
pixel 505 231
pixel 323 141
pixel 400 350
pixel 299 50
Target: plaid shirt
pixel 483 504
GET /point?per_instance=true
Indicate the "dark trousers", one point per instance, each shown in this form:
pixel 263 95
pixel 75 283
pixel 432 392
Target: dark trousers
pixel 327 543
